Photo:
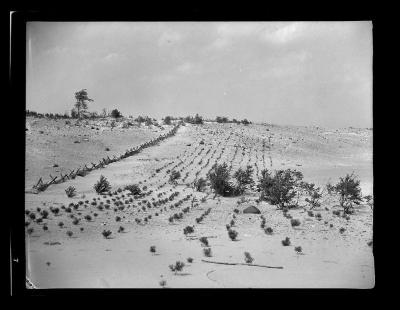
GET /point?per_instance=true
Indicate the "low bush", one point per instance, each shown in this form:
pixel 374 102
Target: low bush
pixel 106 233
pixel 70 191
pixel 153 249
pixel 295 222
pixel 232 234
pixel 134 189
pixel 286 241
pixel 207 252
pixel 175 175
pixel 200 184
pixel 102 185
pixel 204 241
pixel 349 191
pixel 281 188
pixel 188 230
pixel 247 258
pixel 220 180
pixel 177 267
pixel 69 233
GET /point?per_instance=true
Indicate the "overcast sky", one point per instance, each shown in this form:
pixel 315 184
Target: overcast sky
pixel 300 73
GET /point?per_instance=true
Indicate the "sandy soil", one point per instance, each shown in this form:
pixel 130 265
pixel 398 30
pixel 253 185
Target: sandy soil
pixel 54 147
pixel 87 259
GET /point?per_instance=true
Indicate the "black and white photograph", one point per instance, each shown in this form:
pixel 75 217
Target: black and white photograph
pixel 199 154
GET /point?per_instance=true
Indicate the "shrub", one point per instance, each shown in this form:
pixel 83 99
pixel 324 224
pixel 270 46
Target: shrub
pixel 244 179
pixel 69 233
pixel 232 234
pixel 204 241
pixel 269 231
pixel 342 230
pixel 30 231
pixel 116 114
pixel 207 252
pixel 106 233
pixel 220 180
pixel 163 283
pixel 247 258
pixel 32 216
pixel 310 213
pixel 279 189
pixel 298 249
pixel 61 224
pixel 70 191
pixel 232 223
pixel 330 188
pixel 369 199
pixel 102 185
pixel 200 184
pixel 153 249
pixel 75 221
pixel 188 230
pixel 295 222
pixel 314 193
pixel 336 212
pixel 349 191
pixel 236 211
pixel 189 260
pixel 174 176
pixel 286 241
pixel 44 214
pixel 167 120
pixel 177 267
pixel 117 218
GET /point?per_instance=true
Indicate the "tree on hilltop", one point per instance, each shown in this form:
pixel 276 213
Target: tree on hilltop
pixel 82 100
